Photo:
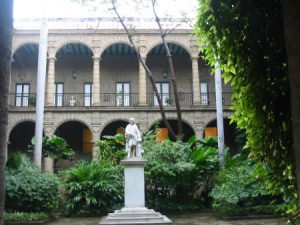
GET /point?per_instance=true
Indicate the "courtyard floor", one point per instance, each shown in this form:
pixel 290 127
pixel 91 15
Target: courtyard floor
pixel 183 219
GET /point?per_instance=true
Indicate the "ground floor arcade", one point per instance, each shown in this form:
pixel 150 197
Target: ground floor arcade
pixel 81 128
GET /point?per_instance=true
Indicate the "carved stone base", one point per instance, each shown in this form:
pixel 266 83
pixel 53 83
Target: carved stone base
pixel 137 216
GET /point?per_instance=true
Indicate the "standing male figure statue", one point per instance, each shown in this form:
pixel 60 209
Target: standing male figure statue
pixel 133 139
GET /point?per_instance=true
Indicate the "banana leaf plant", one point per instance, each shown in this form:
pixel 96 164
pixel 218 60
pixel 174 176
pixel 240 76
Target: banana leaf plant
pixel 55 148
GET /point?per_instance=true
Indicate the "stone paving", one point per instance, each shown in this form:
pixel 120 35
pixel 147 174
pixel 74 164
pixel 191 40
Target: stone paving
pixel 179 219
pixel 210 219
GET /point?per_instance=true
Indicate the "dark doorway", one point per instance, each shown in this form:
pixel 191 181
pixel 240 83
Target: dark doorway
pixel 230 133
pixel 79 138
pixel 187 130
pixel 20 137
pixel 113 128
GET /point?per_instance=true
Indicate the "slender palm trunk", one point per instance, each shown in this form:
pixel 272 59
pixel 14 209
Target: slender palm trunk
pixel 6 30
pixel 291 9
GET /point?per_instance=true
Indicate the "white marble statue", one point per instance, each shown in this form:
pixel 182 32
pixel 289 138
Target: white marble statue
pixel 133 140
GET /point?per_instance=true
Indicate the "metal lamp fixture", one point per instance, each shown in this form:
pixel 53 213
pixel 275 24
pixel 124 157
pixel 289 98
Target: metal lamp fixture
pixel 165 73
pixel 74 74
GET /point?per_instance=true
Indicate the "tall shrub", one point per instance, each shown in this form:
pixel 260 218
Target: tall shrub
pixel 239 191
pixel 28 189
pixel 206 159
pixel 169 173
pixel 93 187
pixel 111 148
pixel 247 38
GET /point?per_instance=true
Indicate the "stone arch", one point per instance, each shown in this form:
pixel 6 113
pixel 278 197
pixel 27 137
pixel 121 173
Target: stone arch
pixel 79 137
pixel 70 119
pixel 113 42
pixel 171 118
pixel 209 121
pixel 24 54
pixel 229 132
pixel 14 123
pixel 187 49
pixel 110 122
pixel 20 137
pixel 17 122
pixel 122 78
pixel 187 126
pixel 73 41
pixel 20 45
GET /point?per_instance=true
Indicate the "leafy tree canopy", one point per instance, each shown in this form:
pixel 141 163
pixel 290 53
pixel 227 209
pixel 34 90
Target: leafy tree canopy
pixel 246 37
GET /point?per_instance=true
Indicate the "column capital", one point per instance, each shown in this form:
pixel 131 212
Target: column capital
pixel 144 57
pixel 194 57
pixel 96 58
pixel 52 58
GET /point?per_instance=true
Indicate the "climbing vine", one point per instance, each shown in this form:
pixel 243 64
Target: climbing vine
pixel 247 39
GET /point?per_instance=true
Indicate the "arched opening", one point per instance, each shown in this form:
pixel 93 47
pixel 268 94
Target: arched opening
pixel 158 64
pixel 23 76
pixel 79 138
pixel 20 137
pixel 119 72
pixel 187 130
pixel 73 71
pixel 230 134
pixel 113 128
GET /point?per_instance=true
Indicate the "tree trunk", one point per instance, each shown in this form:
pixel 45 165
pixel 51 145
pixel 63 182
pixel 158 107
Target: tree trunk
pixel 6 31
pixel 291 9
pixel 171 69
pixel 150 76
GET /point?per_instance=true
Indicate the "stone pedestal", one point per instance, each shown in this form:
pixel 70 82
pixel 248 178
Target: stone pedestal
pixel 135 211
pixel 134 190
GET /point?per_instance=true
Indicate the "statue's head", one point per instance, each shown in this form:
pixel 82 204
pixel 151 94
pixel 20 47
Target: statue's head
pixel 131 120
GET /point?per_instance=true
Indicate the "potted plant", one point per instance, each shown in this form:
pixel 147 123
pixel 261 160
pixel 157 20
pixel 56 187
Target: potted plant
pixel 169 101
pixel 31 100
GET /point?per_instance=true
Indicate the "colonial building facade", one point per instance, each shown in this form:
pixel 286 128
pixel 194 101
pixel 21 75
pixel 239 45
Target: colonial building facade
pixel 94 83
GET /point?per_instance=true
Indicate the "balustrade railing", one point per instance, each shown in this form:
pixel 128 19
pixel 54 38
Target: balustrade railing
pixel 73 99
pixel 22 99
pixel 209 99
pixel 117 99
pixel 185 99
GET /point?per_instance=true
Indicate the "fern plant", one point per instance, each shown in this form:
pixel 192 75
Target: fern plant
pixel 93 187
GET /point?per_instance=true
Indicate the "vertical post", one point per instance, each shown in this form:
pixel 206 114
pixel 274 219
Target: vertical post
pixel 41 78
pixel 219 106
pixel 142 86
pixel 51 81
pixel 196 81
pixel 96 81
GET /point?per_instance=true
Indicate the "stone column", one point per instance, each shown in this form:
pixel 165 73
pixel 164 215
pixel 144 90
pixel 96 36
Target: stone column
pixel 51 81
pixel 48 165
pixel 96 81
pixel 142 85
pixel 196 81
pixel 96 135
